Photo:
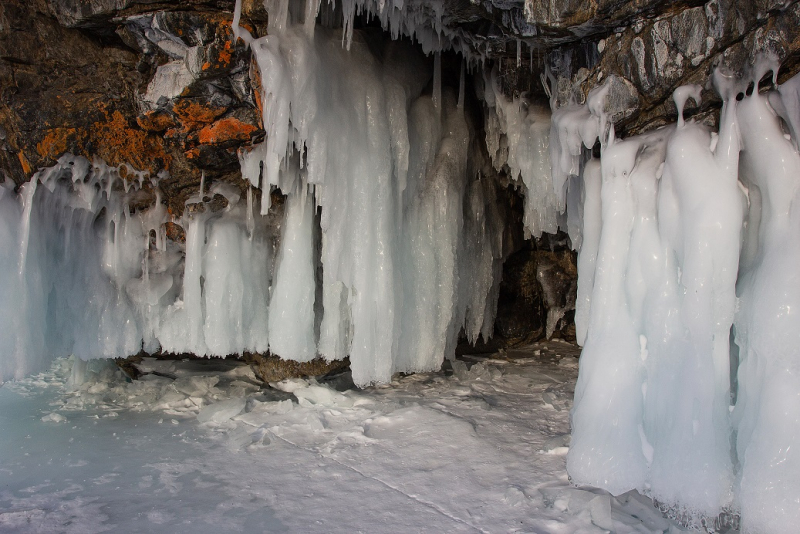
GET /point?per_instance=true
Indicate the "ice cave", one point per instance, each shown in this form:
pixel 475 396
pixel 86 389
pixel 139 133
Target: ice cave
pixel 400 265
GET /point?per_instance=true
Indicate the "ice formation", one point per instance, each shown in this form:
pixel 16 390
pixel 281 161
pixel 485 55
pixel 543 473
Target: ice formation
pixel 384 194
pixel 392 242
pixel 518 136
pixel 401 214
pixel 686 233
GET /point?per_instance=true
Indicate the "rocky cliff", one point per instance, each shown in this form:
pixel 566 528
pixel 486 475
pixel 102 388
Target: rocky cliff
pixel 165 86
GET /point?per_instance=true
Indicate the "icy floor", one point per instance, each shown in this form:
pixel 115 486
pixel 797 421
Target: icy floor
pixel 200 447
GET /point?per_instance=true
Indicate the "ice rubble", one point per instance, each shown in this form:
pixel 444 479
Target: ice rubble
pixel 686 233
pixel 383 192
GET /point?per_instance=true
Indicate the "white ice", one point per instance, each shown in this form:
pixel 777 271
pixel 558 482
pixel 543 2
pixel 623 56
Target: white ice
pixel 685 233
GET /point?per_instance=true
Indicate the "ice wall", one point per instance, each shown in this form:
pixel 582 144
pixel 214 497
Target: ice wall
pixel 767 413
pixel 684 233
pixel 93 278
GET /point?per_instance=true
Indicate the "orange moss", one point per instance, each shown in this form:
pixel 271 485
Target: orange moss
pixel 116 142
pixel 223 130
pixel 192 153
pixel 194 115
pixel 57 141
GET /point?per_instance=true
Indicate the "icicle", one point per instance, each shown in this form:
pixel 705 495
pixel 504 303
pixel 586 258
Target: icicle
pixel 519 53
pixel 278 15
pixel 681 95
pixel 238 31
pixel 528 134
pixel 437 83
pixel 28 192
pixel 192 287
pixel 250 221
pixel 291 321
pixel 461 88
pixel 348 13
pixel 310 18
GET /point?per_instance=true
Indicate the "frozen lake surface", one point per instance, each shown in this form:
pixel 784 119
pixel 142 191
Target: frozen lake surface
pixel 201 447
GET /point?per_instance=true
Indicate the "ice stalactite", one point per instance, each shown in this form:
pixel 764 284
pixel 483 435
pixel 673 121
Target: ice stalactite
pixel 388 166
pixel 517 136
pixel 659 318
pixel 97 280
pixel 291 323
pixel 587 252
pixel 700 216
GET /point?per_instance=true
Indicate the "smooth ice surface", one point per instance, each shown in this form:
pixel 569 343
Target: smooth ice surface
pixel 479 452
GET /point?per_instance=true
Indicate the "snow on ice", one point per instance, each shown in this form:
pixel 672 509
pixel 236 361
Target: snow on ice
pixel 199 445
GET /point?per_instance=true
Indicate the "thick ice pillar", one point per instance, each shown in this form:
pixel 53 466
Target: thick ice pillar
pixel 767 413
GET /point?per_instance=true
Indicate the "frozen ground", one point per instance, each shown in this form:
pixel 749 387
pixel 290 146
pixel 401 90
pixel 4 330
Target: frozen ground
pixel 200 447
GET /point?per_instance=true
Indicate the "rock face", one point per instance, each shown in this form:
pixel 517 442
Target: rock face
pixel 537 294
pixel 160 91
pixel 273 369
pixel 166 89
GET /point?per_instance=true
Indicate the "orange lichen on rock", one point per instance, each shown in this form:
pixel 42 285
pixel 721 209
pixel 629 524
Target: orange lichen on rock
pixel 223 55
pixel 57 141
pixel 26 166
pixel 226 53
pixel 155 121
pixel 194 115
pixel 255 79
pixel 116 142
pixel 224 130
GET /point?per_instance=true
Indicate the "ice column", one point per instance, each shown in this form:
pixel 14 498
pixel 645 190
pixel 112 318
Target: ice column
pixel 767 413
pixel 291 323
pixel 657 275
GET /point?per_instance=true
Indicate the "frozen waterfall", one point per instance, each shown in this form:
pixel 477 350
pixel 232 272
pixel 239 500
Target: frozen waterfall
pixel 383 194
